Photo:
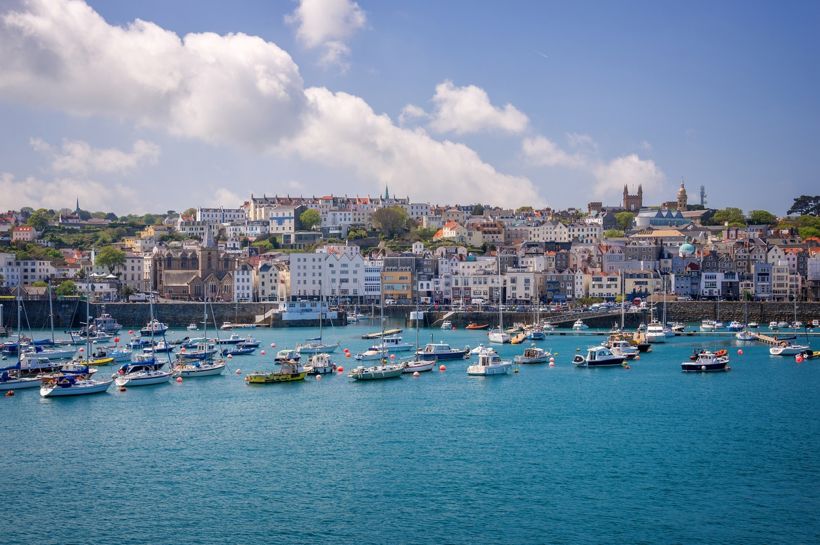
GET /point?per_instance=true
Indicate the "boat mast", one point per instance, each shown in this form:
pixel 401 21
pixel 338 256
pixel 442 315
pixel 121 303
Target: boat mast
pixel 500 288
pixel 321 309
pixel 50 311
pixel 623 297
pixel 87 330
pixel 381 318
pixel 19 328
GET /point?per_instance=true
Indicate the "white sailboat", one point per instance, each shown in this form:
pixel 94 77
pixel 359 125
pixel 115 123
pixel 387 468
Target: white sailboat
pixel 145 370
pixel 417 364
pixel 317 346
pixel 11 377
pixel 384 369
pixel 206 365
pixel 497 335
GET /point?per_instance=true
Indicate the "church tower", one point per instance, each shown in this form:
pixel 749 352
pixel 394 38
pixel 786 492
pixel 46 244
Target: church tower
pixel 633 203
pixel 682 197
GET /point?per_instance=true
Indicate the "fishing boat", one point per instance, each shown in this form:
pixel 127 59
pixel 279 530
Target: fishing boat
pixel 154 328
pixel 106 323
pixel 706 362
pixel 532 355
pixel 489 364
pixel 288 371
pixel 536 334
pixel 788 349
pixel 66 385
pixel 598 356
pixel 442 351
pixel 476 326
pixel 287 354
pixel 320 364
pixel 579 325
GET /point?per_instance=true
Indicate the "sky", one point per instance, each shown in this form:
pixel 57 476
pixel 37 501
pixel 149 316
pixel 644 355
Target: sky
pixel 153 105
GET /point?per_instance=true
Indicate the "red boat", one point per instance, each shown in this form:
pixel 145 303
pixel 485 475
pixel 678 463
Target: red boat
pixel 473 325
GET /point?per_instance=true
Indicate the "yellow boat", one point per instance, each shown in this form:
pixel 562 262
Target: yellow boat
pixel 289 371
pixel 98 362
pixel 518 339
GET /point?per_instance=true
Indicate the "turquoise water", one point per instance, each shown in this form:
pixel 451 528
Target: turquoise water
pixel 548 455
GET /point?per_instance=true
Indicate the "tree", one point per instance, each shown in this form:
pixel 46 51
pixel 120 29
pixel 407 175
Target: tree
pixel 804 205
pixel 310 218
pixel 66 288
pixel 391 221
pixel 111 216
pixel 613 233
pixel 733 216
pixel 149 219
pixel 478 210
pixel 624 220
pixel 356 234
pixel 39 219
pixel 40 284
pixel 762 217
pixel 110 257
pixel 263 245
pixel 524 210
pixel 190 212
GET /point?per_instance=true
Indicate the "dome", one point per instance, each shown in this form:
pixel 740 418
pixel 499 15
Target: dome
pixel 686 250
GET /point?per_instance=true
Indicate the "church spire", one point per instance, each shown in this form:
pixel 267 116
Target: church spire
pixel 386 193
pixel 77 209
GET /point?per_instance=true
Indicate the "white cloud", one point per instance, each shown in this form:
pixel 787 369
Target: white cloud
pixel 541 151
pixel 582 141
pixel 342 130
pixel 225 197
pixel 236 88
pixel 465 110
pixel 628 169
pixel 327 25
pixel 61 193
pixel 411 112
pixel 78 157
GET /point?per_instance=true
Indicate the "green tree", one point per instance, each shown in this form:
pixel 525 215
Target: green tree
pixel 391 221
pixel 150 219
pixel 310 218
pixel 805 205
pixel 356 234
pixel 190 212
pixel 66 288
pixel 39 219
pixel 613 233
pixel 263 245
pixel 762 217
pixel 524 210
pixel 733 216
pixel 110 257
pixel 478 210
pixel 624 220
pixel 425 234
pixel 40 284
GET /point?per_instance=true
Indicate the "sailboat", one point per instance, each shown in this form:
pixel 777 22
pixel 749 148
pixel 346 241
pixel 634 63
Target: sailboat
pixel 199 362
pixel 498 335
pixel 745 334
pixel 69 384
pixel 11 378
pixel 384 369
pixel 315 345
pixel 145 369
pixel 418 364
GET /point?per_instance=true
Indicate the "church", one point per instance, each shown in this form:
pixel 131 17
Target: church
pixel 633 203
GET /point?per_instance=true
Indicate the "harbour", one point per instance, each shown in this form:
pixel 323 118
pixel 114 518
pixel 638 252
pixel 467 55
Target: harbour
pixel 573 437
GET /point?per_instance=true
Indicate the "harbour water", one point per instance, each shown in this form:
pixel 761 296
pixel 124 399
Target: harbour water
pixel 547 455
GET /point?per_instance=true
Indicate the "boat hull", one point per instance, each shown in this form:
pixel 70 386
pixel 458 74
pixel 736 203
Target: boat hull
pixel 275 378
pixel 489 370
pixel 58 391
pixel 19 384
pixel 698 367
pixel 420 367
pixel 190 371
pixel 143 379
pixel 443 356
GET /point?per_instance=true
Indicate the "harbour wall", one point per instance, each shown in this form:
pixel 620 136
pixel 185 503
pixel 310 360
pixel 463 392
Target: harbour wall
pixel 71 314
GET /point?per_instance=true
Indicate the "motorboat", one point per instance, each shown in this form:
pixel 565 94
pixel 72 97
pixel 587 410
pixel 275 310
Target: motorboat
pixel 598 356
pixel 235 338
pixel 192 327
pixel 621 347
pixel 734 325
pixel 320 364
pixel 287 354
pixel 160 347
pixel 678 327
pixel 753 325
pixel 65 385
pixel 718 324
pixel 788 349
pixel 144 371
pixel 477 350
pixel 498 336
pixel 579 325
pixel 708 325
pixel 230 325
pixel 238 350
pixel 121 355
pixel 782 325
pixel 250 341
pixel 11 379
pixel 546 326
pixel 316 346
pixel 706 362
pixel 475 326
pixel 198 368
pixel 441 351
pixel 797 325
pixel 389 345
pixel 656 332
pixel 377 372
pixel 536 334
pixel 773 326
pixel 447 324
pixel 106 324
pixel 531 355
pixel 288 371
pixel 31 364
pixel 489 364
pixel 153 328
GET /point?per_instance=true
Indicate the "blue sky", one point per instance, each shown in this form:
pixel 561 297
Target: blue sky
pixel 535 102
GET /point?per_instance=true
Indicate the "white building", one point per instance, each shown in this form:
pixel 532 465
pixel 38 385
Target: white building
pixel 243 283
pixel 220 215
pixel 372 279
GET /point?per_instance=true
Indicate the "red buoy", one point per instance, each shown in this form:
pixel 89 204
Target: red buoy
pixel 179 380
pixel 442 367
pixel 10 393
pixel 739 351
pixel 262 352
pixel 340 369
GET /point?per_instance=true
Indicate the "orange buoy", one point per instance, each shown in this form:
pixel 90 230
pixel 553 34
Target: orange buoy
pixel 442 367
pixel 416 374
pixel 318 377
pixel 340 369
pixel 179 380
pixel 10 393
pixel 347 354
pixel 798 358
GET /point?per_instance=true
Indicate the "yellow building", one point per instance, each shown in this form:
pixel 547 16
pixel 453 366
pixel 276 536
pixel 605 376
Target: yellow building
pixel 397 284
